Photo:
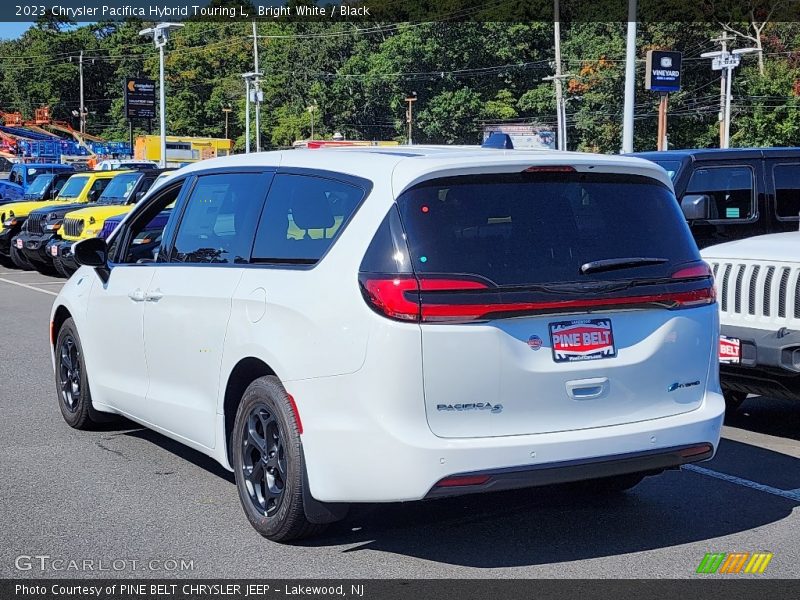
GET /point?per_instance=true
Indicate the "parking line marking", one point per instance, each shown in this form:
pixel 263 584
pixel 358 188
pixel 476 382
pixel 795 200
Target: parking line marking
pixel 30 287
pixel 788 494
pixel 19 272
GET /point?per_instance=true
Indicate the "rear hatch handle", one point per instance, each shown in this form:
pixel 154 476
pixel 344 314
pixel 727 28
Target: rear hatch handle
pixel 587 389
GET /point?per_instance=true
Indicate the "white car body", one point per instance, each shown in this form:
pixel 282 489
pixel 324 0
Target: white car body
pixel 366 387
pixel 758 290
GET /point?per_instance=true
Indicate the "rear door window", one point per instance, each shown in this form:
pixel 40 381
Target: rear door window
pixel 532 228
pixel 730 189
pixel 302 218
pixel 787 191
pixel 219 220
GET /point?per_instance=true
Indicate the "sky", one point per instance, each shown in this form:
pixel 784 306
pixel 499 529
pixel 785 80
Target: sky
pixel 13 30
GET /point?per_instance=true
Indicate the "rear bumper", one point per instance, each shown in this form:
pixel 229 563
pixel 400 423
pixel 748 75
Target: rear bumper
pixel 770 362
pixel 358 451
pixel 497 480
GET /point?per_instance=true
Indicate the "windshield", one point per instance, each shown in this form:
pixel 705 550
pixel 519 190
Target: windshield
pixel 670 166
pixel 73 187
pixel 120 189
pixel 533 228
pixel 39 185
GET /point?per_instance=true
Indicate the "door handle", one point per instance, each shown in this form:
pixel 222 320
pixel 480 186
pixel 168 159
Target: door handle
pixel 154 296
pixel 136 295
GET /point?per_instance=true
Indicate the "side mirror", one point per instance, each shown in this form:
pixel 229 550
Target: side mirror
pixel 93 252
pixel 696 207
pixel 139 196
pixel 92 195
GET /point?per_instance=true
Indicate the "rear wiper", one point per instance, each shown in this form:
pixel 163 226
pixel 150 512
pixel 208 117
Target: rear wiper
pixel 612 264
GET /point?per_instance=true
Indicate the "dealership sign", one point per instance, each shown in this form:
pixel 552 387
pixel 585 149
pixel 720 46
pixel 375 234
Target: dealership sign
pixel 663 71
pixel 140 98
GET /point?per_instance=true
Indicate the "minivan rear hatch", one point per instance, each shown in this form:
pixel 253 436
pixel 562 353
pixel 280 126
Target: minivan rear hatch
pixel 552 300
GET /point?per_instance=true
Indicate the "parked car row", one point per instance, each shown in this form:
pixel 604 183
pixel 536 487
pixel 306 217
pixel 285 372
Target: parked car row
pixel 59 208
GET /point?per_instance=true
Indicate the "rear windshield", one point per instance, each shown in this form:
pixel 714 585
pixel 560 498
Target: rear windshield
pixel 532 228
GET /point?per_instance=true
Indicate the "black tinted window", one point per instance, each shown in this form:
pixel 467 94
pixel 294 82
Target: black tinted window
pixel 302 217
pixel 219 220
pixel 787 190
pixel 730 188
pixel 536 228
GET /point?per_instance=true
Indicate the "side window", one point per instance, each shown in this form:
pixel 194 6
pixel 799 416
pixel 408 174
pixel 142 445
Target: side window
pixel 218 223
pixel 57 185
pixel 302 217
pixel 730 188
pixel 146 230
pixel 787 191
pixel 98 186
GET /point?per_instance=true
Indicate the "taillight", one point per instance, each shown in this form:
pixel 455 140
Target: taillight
pixel 387 296
pixel 705 295
pixel 463 480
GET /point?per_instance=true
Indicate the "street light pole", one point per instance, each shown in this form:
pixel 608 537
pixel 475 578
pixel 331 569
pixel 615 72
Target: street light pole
pixel 250 83
pixel 630 80
pixel 82 107
pixel 160 34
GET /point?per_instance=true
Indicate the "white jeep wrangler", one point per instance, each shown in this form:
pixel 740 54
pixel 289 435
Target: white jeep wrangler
pixel 758 291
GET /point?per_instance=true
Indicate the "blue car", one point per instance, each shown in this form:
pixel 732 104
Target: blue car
pixel 23 174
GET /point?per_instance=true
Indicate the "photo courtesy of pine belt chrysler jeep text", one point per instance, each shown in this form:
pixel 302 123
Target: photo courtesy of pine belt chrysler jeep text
pixel 378 325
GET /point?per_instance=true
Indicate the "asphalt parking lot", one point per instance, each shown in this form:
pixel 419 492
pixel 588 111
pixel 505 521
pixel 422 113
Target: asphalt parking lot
pixel 126 494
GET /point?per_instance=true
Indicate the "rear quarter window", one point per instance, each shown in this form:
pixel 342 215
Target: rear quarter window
pixel 520 229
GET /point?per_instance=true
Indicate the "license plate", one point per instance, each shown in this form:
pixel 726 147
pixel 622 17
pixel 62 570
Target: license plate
pixel 53 251
pixel 730 350
pixel 19 244
pixel 582 339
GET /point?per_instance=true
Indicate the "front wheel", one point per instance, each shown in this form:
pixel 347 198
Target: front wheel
pixel 19 259
pixel 72 384
pixel 268 463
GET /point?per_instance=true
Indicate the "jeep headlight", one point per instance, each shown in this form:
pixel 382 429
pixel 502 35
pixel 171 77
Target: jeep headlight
pixel 81 224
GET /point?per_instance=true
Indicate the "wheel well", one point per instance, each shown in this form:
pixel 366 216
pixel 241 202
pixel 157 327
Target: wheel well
pixel 244 373
pixel 62 314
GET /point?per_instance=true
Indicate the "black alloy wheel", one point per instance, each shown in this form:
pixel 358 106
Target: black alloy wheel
pixel 263 460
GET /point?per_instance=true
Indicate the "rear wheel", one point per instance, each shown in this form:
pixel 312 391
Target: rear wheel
pixel 72 384
pixel 733 401
pixel 268 463
pixel 19 259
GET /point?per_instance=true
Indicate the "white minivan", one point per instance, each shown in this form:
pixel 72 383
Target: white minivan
pixel 380 325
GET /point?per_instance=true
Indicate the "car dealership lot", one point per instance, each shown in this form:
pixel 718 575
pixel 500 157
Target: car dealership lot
pixel 126 496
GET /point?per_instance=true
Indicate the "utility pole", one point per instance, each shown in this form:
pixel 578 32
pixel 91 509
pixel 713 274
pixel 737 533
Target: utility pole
pixel 726 62
pixel 257 88
pixel 410 99
pixel 630 80
pixel 723 88
pixel 227 111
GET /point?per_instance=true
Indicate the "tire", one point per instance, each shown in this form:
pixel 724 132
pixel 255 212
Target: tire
pixel 5 261
pixel 733 401
pixel 72 384
pixel 59 267
pixel 19 260
pixel 609 485
pixel 268 463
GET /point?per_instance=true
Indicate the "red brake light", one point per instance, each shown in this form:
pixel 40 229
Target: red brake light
pixel 387 296
pixel 550 169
